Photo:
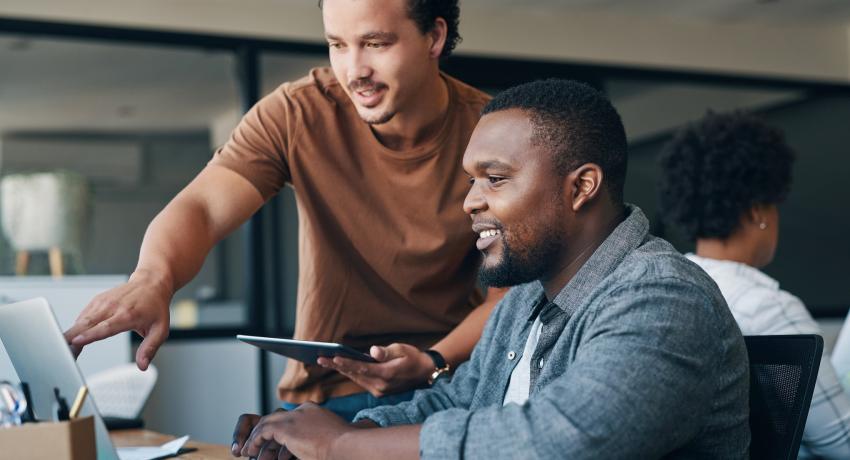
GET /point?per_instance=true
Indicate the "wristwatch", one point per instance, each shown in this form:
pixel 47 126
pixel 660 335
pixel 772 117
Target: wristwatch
pixel 440 365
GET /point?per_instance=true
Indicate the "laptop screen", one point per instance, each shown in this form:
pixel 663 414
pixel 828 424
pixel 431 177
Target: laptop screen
pixel 37 349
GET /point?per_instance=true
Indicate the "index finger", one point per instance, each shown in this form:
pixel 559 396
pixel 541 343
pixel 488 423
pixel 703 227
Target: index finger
pixel 244 425
pixel 87 319
pixel 76 350
pixel 107 327
pixel 262 434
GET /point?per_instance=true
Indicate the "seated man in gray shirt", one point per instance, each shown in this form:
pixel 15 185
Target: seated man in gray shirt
pixel 611 345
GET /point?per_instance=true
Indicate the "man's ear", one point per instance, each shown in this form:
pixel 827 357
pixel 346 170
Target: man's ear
pixel 438 36
pixel 583 185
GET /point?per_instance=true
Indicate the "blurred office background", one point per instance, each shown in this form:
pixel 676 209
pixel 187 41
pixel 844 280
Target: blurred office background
pixel 133 98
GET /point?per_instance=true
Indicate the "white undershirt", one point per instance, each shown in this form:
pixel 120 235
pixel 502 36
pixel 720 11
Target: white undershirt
pixel 520 384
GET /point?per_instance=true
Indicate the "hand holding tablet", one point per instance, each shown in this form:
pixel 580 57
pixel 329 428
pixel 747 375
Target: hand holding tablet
pixel 394 368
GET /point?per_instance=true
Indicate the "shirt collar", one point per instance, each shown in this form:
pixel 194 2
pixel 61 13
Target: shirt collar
pixel 741 270
pixel 628 235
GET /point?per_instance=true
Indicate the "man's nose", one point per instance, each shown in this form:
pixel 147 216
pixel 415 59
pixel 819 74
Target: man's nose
pixel 474 201
pixel 358 68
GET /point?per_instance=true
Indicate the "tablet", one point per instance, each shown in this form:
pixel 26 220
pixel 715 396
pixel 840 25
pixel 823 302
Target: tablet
pixel 303 350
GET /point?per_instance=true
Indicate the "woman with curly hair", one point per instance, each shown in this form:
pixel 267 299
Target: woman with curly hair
pixel 722 180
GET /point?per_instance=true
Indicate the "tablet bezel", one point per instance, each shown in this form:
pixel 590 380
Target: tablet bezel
pixel 306 351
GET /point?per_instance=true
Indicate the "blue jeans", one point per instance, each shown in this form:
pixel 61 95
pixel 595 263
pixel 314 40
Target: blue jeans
pixel 348 406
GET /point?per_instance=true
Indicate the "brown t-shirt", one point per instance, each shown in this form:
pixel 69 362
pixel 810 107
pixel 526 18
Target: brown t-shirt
pixel 386 252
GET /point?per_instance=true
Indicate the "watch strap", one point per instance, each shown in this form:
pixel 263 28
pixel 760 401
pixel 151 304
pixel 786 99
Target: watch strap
pixel 440 365
pixel 439 361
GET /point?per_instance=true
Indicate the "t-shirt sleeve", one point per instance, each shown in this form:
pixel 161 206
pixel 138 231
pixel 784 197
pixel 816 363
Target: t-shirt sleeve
pixel 259 147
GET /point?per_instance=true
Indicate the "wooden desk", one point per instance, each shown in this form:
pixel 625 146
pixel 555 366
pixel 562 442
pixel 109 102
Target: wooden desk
pixel 124 438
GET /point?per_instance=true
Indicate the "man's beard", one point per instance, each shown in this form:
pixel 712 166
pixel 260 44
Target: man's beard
pixel 517 267
pixel 357 85
pixel 378 119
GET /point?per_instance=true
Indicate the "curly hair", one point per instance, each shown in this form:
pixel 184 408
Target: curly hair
pixel 717 168
pixel 576 122
pixel 425 13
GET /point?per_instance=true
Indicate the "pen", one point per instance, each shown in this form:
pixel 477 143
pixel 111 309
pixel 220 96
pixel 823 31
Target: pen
pixel 29 416
pixel 78 402
pixel 61 407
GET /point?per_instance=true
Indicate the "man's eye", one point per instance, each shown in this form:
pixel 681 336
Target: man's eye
pixel 495 179
pixel 335 46
pixel 375 45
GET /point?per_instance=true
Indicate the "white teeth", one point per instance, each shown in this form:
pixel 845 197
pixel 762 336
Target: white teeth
pixel 489 233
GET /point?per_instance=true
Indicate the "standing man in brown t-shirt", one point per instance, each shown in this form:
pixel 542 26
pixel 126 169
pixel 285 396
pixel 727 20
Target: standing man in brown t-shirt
pixel 373 149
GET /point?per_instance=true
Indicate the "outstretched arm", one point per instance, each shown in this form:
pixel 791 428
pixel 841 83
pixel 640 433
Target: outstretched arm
pixel 175 245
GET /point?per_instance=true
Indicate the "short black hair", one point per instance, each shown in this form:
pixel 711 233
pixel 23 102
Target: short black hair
pixel 425 13
pixel 576 122
pixel 717 168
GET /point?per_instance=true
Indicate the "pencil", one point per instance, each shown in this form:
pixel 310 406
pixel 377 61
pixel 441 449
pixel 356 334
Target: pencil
pixel 78 402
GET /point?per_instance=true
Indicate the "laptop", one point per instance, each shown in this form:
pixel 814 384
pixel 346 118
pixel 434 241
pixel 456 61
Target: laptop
pixel 40 354
pixel 38 350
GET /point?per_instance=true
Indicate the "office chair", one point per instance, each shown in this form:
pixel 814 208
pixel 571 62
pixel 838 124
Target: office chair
pixel 121 393
pixel 783 371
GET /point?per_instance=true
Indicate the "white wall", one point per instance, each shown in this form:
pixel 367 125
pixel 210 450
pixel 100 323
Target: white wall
pixel 203 386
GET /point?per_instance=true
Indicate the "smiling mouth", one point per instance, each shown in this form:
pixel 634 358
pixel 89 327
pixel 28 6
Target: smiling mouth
pixel 486 238
pixel 369 96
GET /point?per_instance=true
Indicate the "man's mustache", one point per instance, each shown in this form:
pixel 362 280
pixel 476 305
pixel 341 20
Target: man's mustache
pixel 489 223
pixel 360 85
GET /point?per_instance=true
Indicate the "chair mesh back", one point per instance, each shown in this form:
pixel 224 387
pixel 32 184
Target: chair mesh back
pixel 776 387
pixel 783 370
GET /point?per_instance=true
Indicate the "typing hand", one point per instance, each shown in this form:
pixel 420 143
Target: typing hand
pixel 140 305
pixel 400 367
pixel 244 428
pixel 306 432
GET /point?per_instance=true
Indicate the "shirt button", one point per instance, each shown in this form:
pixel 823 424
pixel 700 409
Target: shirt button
pixel 540 364
pixel 511 355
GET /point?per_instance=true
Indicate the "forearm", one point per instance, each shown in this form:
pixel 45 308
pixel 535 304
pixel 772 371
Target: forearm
pixel 179 238
pixel 399 442
pixel 175 245
pixel 458 344
pixel 445 394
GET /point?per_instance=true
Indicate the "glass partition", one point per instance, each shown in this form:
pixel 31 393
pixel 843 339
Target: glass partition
pixel 96 138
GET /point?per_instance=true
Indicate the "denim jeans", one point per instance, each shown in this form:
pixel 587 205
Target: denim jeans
pixel 348 406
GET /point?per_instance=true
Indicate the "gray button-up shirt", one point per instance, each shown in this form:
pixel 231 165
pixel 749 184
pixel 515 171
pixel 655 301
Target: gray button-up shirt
pixel 641 359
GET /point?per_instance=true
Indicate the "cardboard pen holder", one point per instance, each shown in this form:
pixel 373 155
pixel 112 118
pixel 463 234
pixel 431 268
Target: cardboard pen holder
pixel 71 440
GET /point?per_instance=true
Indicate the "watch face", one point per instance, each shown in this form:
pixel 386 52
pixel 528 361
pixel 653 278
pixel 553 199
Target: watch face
pixel 437 373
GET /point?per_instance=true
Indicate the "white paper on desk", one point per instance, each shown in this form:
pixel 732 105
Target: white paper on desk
pixel 149 453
